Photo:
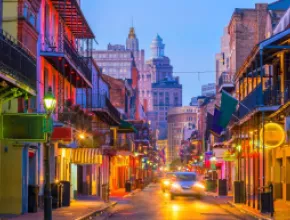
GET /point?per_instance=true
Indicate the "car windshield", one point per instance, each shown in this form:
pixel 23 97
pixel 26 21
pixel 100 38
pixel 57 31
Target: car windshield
pixel 185 177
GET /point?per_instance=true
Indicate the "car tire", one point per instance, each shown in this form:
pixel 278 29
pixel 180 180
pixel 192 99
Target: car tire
pixel 172 197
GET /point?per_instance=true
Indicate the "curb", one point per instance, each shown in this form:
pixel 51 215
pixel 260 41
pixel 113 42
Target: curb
pixel 251 213
pixel 132 193
pixel 97 212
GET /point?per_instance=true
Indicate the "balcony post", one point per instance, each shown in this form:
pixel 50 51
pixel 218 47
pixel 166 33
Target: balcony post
pixel 262 77
pixel 114 131
pixel 282 81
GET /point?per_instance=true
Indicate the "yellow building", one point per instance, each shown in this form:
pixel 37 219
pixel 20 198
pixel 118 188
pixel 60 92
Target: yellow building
pixel 18 160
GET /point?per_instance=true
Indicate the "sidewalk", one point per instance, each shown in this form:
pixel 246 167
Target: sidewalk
pixel 78 210
pixel 281 208
pixel 119 193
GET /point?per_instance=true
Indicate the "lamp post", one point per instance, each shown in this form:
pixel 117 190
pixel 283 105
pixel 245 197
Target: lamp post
pixel 49 105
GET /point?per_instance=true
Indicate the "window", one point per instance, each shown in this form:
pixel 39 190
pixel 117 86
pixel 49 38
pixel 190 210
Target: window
pixel 25 10
pixel 155 94
pixel 45 82
pixel 161 93
pixel 167 101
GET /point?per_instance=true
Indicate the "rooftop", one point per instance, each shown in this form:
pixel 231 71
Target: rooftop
pixel 167 84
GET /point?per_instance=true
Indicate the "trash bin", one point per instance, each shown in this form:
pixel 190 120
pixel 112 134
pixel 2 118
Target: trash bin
pixel 56 194
pixel 222 187
pixel 239 192
pixel 66 193
pixel 128 186
pixel 33 198
pixel 265 202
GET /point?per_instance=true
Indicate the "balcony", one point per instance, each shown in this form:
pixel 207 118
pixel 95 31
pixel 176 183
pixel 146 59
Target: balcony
pixel 102 107
pixel 17 64
pixel 75 116
pixel 72 15
pixel 226 82
pixel 123 144
pixel 259 98
pixel 54 49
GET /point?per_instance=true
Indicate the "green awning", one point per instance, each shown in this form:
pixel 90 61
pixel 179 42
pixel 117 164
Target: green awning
pixel 126 127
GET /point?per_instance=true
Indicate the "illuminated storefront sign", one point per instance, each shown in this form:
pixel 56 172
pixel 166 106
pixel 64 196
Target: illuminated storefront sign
pixel 273 135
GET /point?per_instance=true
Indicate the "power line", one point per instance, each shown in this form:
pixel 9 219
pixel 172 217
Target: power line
pixel 208 71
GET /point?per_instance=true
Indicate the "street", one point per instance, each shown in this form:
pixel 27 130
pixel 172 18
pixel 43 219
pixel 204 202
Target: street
pixel 152 203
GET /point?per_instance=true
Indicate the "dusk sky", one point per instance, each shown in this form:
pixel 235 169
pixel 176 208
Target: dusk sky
pixel 191 30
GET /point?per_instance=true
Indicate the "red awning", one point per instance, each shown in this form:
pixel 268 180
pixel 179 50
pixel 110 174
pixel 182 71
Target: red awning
pixel 62 134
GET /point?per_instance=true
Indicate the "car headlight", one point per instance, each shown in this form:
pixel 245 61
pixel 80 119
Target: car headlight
pixel 199 185
pixel 166 182
pixel 175 186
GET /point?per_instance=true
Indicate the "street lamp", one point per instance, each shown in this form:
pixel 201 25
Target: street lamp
pixel 49 105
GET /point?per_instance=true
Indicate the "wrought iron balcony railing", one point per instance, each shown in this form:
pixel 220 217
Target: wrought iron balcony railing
pixel 17 61
pixel 76 117
pixel 123 144
pixel 64 46
pixel 101 101
pixel 258 98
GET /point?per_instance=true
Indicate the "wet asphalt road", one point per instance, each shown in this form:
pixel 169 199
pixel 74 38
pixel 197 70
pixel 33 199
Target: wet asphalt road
pixel 153 204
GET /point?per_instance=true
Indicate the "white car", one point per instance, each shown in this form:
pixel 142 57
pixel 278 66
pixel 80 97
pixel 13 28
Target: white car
pixel 186 184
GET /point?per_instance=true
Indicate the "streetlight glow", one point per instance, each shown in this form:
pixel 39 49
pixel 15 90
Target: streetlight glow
pixel 49 101
pixel 82 136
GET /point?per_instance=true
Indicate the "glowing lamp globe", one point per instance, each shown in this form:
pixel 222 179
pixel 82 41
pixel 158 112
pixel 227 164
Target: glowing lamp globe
pixel 273 135
pixel 49 101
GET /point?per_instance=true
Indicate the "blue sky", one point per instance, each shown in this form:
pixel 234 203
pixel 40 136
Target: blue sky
pixel 191 30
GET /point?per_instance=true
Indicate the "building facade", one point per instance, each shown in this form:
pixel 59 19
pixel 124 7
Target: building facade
pixel 166 95
pixel 180 121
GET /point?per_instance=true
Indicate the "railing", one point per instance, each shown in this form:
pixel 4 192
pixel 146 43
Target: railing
pixel 63 45
pixel 101 101
pixel 225 78
pixel 76 118
pixel 16 60
pixel 258 97
pixel 123 144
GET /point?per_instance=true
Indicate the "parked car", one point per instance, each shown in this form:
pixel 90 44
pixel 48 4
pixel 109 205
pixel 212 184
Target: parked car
pixel 186 184
pixel 166 181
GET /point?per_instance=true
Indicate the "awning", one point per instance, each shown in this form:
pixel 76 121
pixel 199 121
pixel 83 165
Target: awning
pixel 126 127
pixel 86 156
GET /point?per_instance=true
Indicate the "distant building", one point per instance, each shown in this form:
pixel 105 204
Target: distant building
pixel 181 120
pixel 208 89
pixel 194 101
pixel 117 61
pixel 166 95
pixel 166 92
